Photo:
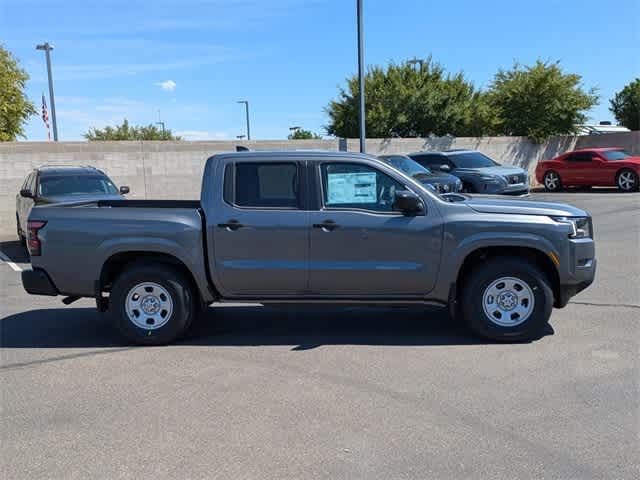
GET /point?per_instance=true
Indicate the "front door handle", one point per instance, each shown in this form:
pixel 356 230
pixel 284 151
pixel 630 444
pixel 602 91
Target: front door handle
pixel 327 225
pixel 231 225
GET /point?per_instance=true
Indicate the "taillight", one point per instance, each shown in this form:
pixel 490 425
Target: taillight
pixel 33 242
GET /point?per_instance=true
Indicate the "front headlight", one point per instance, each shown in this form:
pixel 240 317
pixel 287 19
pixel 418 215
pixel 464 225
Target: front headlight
pixel 458 185
pixel 581 226
pixel 492 179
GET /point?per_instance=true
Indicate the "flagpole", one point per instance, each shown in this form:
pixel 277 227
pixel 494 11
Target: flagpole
pixel 47 50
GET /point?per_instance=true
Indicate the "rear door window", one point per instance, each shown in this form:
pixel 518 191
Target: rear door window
pixel 263 184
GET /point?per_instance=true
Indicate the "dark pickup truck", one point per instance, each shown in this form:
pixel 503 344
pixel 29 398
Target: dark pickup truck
pixel 314 227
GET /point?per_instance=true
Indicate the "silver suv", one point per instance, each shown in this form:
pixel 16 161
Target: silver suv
pixel 478 173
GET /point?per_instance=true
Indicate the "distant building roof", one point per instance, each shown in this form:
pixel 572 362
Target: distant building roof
pixel 601 128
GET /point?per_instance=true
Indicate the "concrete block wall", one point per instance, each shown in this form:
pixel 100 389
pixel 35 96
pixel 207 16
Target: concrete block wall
pixel 164 170
pixel 154 170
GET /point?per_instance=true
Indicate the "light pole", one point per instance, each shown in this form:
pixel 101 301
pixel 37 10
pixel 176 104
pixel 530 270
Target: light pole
pixel 417 61
pixel 246 106
pixel 293 131
pixel 363 133
pixel 47 49
pixel 160 122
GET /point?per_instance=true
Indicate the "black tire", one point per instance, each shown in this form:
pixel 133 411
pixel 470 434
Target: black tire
pixel 181 294
pixel 629 176
pixel 548 185
pixel 483 276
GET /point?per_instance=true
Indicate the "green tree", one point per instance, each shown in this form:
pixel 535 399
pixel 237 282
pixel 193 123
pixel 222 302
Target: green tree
pixel 403 100
pixel 15 108
pixel 539 101
pixel 302 134
pixel 127 132
pixel 625 106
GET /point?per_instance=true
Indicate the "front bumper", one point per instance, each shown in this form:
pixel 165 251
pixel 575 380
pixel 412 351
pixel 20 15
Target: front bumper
pixel 580 270
pixel 37 282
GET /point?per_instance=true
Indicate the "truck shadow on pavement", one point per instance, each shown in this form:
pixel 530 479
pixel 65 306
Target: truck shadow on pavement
pixel 303 328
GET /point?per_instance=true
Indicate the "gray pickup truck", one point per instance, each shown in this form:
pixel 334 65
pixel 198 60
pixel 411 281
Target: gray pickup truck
pixel 313 227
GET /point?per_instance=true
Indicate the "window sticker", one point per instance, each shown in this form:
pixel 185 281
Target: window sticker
pixel 351 188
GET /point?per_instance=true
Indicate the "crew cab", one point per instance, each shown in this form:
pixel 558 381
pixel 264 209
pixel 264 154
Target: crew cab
pixel 312 227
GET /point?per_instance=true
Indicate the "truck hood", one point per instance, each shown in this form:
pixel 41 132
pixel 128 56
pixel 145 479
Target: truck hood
pixel 494 204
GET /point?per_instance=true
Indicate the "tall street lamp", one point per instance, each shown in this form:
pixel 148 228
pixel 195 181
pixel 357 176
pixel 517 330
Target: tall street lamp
pixel 363 134
pixel 417 61
pixel 47 49
pixel 246 106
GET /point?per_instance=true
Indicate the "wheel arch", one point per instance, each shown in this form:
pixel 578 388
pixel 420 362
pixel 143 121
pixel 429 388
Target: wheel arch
pixel 117 263
pixel 531 254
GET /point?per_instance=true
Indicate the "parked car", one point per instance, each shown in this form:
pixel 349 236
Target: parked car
pixel 438 181
pixel 54 184
pixel 479 173
pixel 592 167
pixel 309 227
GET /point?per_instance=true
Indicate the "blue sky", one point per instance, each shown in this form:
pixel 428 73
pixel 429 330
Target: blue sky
pixel 192 59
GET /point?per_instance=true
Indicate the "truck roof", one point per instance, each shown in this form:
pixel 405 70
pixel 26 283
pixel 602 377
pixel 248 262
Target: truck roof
pixel 275 155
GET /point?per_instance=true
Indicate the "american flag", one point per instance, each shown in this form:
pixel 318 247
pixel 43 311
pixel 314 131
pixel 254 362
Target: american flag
pixel 45 117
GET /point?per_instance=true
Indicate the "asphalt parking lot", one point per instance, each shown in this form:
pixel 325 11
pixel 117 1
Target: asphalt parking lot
pixel 368 393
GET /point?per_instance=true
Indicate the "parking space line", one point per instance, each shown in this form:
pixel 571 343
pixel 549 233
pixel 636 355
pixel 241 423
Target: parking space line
pixel 8 261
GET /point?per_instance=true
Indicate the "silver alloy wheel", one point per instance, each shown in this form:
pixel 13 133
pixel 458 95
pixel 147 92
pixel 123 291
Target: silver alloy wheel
pixel 551 180
pixel 626 181
pixel 149 306
pixel 508 301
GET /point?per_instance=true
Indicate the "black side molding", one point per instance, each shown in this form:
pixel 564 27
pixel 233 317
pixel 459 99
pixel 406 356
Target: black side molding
pixel 37 282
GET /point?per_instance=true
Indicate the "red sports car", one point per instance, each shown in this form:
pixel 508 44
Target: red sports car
pixel 591 167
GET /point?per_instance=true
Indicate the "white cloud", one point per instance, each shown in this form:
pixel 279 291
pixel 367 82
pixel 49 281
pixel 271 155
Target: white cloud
pixel 167 85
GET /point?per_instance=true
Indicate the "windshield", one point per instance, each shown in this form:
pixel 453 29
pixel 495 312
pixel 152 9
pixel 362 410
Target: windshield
pixel 616 154
pixel 472 160
pixel 407 166
pixel 76 185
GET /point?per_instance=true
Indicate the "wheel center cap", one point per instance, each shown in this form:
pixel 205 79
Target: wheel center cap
pixel 507 300
pixel 150 305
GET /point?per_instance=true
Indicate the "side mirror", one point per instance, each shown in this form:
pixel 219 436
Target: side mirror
pixel 408 203
pixel 124 190
pixel 26 193
pixel 445 168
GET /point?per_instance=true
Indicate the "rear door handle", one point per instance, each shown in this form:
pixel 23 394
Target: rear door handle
pixel 327 225
pixel 232 225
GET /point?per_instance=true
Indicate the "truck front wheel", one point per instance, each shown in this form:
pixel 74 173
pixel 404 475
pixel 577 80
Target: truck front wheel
pixel 152 305
pixel 507 299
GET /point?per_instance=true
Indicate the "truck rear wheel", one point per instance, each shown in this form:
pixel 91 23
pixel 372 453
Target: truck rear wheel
pixel 507 299
pixel 152 305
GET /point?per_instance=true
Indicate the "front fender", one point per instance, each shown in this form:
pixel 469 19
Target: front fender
pixel 456 253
